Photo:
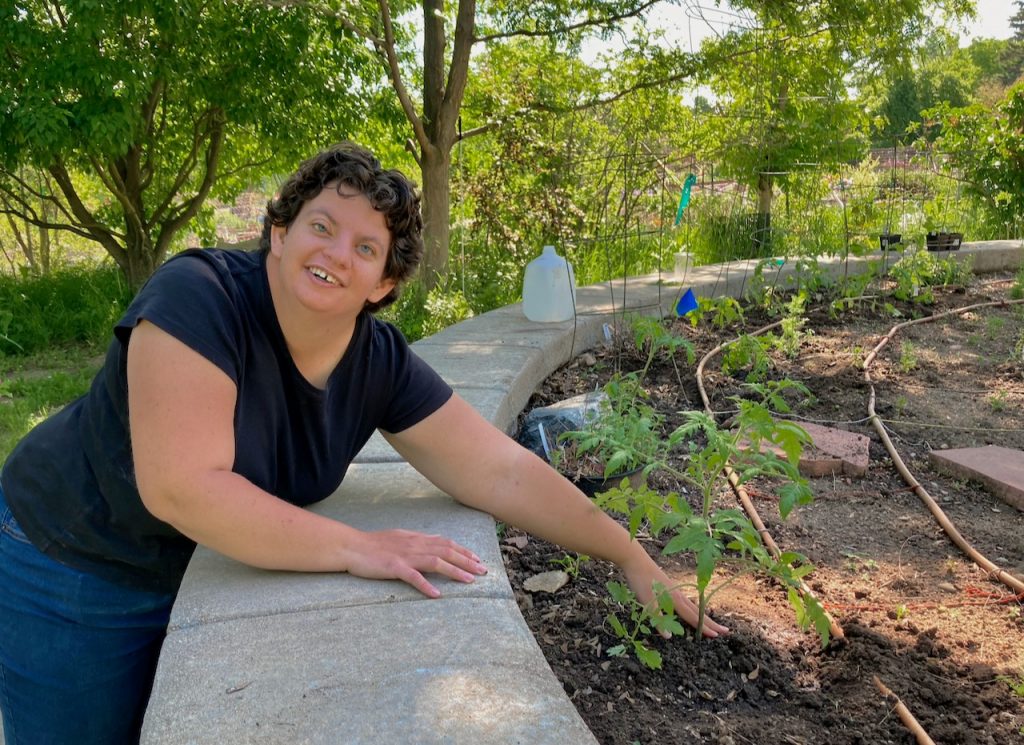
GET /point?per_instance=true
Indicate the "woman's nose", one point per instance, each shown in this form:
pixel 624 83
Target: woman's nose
pixel 340 251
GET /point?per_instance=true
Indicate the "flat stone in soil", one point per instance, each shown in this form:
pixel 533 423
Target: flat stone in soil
pixel 1000 469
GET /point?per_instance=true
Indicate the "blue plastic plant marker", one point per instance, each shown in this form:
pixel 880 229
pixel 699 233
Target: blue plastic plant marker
pixel 687 303
pixel 684 198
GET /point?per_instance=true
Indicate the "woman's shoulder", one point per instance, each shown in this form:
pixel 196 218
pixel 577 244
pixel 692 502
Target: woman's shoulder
pixel 216 263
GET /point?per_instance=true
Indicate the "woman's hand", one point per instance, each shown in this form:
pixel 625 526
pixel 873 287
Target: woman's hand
pixel 641 574
pixel 406 555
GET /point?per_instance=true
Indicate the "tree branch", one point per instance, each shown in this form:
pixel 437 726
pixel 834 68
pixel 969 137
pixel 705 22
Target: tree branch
pixel 201 130
pixel 395 73
pixel 96 230
pixel 179 217
pixel 115 185
pixel 605 21
pixel 458 72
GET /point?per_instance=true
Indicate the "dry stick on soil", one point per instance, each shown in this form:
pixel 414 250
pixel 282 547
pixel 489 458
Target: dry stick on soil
pixel 905 716
pixel 993 571
pixel 748 506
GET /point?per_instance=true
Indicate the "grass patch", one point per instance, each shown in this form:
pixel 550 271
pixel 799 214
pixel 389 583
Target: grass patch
pixel 34 387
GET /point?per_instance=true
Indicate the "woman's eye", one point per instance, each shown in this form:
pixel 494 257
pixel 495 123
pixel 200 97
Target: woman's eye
pixel 366 249
pixel 319 227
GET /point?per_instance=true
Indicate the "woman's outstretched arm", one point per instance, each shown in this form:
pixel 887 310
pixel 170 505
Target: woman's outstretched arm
pixel 481 467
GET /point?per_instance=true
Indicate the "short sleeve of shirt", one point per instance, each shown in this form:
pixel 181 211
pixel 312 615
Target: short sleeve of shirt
pixel 194 299
pixel 417 390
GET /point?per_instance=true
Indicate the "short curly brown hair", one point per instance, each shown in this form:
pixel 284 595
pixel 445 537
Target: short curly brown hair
pixel 389 191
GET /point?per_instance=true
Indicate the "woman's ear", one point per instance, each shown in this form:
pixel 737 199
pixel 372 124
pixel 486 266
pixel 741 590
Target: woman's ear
pixel 277 234
pixel 382 289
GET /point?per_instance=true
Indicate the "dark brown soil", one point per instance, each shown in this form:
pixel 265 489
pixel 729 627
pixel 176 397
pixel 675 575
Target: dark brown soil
pixel 915 612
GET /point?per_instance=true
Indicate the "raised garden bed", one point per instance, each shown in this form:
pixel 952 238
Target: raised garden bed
pixel 916 613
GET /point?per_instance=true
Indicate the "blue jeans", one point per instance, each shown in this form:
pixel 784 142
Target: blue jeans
pixel 77 653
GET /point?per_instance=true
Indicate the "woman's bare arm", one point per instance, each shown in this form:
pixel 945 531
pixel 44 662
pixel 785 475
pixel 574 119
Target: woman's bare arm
pixel 481 467
pixel 181 417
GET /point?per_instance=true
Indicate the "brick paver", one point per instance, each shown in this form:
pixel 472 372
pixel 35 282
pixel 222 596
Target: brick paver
pixel 1000 469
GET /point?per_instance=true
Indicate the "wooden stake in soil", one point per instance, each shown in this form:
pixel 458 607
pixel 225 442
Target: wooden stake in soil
pixel 741 494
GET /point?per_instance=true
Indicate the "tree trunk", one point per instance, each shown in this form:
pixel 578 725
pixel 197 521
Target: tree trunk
pixel 49 213
pixel 435 168
pixel 763 221
pixel 140 258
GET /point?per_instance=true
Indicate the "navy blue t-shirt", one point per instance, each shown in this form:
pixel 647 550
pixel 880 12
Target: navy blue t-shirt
pixel 70 482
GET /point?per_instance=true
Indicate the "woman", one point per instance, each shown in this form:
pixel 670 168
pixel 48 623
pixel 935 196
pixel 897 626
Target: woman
pixel 238 388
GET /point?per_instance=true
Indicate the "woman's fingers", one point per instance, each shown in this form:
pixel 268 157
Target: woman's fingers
pixel 642 582
pixel 407 555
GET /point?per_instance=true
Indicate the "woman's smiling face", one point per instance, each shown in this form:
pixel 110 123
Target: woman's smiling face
pixel 332 257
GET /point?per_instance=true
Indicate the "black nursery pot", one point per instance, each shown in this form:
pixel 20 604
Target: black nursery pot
pixel 888 240
pixel 592 486
pixel 940 241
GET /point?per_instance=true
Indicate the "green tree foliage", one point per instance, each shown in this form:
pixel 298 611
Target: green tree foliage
pixel 427 62
pixel 162 103
pixel 1013 56
pixel 939 71
pixel 591 181
pixel 988 147
pixel 786 106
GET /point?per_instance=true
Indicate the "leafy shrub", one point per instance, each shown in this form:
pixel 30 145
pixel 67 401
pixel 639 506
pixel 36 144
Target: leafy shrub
pixel 444 308
pixel 70 306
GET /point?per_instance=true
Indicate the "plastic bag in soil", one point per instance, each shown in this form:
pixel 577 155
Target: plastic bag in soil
pixel 564 416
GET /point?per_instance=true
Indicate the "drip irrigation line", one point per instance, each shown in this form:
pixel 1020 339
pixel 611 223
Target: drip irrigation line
pixel 974 391
pixel 908 423
pixel 908 719
pixel 741 493
pixel 976 598
pixel 990 568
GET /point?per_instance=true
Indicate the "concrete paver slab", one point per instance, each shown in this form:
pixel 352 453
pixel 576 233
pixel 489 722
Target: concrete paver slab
pixel 500 407
pixel 443 671
pixel 373 497
pixel 835 451
pixel 1000 469
pixel 832 452
pixel 377 450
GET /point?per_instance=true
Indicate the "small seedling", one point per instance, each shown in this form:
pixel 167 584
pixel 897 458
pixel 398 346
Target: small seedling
pixel 641 623
pixel 1017 291
pixel 997 401
pixel 571 563
pixel 901 612
pixel 908 358
pixel 857 563
pixel 1016 684
pixel 793 333
pixel 722 311
pixel 747 355
pixel 901 405
pixel 994 327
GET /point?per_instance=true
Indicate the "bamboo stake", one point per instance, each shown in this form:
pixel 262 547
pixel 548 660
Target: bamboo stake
pixel 741 494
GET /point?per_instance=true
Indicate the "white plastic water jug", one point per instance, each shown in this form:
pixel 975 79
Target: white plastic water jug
pixel 549 288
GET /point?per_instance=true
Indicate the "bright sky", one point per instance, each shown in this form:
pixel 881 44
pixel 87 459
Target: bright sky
pixel 688 23
pixel 993 21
